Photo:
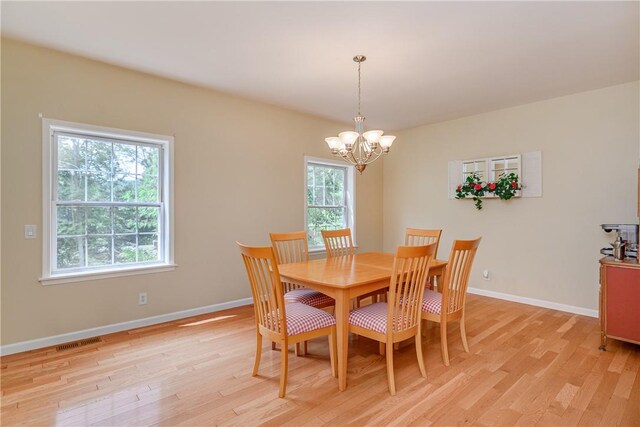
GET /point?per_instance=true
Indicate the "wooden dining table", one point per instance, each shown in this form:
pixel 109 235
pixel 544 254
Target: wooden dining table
pixel 345 278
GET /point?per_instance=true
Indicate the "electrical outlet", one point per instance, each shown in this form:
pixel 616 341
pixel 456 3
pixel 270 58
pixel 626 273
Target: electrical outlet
pixel 486 275
pixel 142 298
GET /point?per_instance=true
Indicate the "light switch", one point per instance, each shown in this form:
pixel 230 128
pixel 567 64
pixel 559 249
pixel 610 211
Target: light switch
pixel 29 231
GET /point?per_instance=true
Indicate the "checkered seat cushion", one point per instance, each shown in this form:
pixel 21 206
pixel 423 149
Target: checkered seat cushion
pixel 308 297
pixel 372 317
pixel 303 318
pixel 432 301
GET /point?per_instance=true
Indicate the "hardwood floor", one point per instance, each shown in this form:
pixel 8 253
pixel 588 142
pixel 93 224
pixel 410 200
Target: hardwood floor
pixel 527 366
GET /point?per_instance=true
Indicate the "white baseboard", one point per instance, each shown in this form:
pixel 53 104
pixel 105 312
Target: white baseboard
pixel 535 302
pixel 117 327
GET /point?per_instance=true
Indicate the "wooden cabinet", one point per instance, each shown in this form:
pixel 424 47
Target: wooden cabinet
pixel 619 301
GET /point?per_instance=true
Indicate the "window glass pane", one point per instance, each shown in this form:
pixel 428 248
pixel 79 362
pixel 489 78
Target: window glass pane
pixel 71 185
pixel 71 221
pixel 124 220
pixel 93 172
pixel 98 156
pixel 148 219
pixel 125 249
pixel 147 247
pixel 323 219
pixel 71 153
pixel 99 220
pixel 148 160
pixel 70 252
pixel 124 188
pixel 147 188
pixel 98 250
pixel 124 159
pixel 98 187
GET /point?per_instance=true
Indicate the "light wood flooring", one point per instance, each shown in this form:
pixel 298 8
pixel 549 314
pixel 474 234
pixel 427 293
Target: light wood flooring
pixel 527 366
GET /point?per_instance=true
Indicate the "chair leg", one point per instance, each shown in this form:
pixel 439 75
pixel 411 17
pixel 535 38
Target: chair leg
pixel 463 333
pixel 382 348
pixel 332 352
pixel 256 364
pixel 443 343
pixel 396 346
pixel 390 378
pixel 304 348
pixel 424 327
pixel 423 371
pixel 285 368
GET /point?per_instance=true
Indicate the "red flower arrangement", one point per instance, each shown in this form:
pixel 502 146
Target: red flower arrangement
pixel 505 187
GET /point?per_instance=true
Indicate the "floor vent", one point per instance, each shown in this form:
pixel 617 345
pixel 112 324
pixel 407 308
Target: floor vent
pixel 80 343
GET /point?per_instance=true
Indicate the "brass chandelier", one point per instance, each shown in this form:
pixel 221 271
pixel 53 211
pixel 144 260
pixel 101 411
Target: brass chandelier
pixel 360 148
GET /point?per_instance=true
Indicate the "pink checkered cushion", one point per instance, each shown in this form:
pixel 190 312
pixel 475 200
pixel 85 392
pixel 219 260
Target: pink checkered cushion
pixel 308 297
pixel 303 318
pixel 432 301
pixel 372 316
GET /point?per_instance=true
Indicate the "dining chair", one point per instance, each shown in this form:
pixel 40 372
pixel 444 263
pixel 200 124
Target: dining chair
pixel 419 237
pixel 449 305
pixel 397 319
pixel 338 242
pixel 279 322
pixel 293 247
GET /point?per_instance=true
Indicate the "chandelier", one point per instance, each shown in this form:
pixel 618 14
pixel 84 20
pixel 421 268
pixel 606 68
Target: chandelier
pixel 360 148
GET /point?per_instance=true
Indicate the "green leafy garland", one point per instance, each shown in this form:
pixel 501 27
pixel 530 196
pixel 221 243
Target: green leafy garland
pixel 505 188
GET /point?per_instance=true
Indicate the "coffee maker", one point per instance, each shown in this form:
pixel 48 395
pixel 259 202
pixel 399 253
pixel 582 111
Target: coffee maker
pixel 628 234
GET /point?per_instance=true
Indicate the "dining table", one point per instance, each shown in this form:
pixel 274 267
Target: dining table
pixel 344 278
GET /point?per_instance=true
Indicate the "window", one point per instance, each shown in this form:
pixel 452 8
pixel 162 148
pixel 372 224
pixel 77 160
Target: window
pixel 107 200
pixel 329 198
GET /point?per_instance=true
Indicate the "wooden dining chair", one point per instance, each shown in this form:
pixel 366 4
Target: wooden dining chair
pixel 449 305
pixel 420 237
pixel 399 318
pixel 293 247
pixel 338 242
pixel 279 322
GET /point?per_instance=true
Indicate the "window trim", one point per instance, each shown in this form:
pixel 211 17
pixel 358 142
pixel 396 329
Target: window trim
pixel 350 195
pixel 49 126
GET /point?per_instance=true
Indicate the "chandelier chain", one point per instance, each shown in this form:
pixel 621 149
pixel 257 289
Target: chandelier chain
pixel 359 64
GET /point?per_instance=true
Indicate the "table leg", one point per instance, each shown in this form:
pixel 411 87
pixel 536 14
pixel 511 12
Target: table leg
pixel 342 324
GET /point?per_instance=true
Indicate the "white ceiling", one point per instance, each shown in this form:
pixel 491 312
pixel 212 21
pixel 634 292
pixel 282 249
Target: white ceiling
pixel 427 61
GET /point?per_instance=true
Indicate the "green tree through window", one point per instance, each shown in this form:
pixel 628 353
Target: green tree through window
pixel 326 200
pixel 107 202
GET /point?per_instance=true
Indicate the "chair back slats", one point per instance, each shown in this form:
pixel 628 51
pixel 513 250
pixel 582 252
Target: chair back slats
pixel 266 289
pixel 338 242
pixel 410 271
pixel 288 248
pixel 420 237
pixel 456 277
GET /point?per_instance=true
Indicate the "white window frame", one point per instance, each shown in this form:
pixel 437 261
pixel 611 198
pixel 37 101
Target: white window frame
pixel 49 126
pixel 350 194
pixel 485 166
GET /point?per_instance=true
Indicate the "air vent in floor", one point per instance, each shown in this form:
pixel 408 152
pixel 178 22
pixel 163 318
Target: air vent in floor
pixel 80 343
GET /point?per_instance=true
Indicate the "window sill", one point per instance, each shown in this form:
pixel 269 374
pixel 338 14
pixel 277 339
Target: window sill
pixel 105 274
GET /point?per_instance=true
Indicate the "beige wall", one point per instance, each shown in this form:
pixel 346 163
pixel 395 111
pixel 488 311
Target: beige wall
pixel 238 175
pixel 544 248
